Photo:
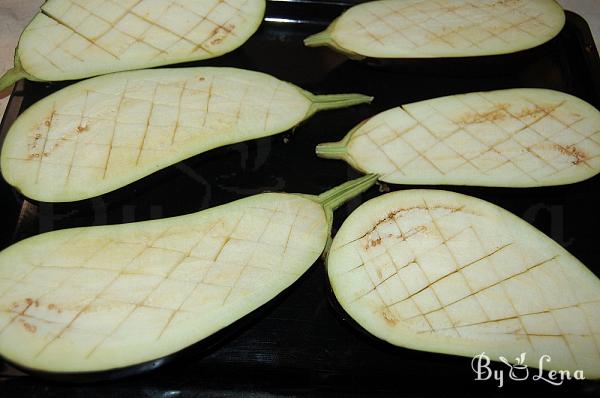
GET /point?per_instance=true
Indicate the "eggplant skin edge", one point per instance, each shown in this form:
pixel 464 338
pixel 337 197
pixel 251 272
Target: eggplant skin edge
pixel 137 335
pixel 583 162
pixel 17 166
pixel 327 38
pixel 187 334
pixel 406 338
pixel 21 69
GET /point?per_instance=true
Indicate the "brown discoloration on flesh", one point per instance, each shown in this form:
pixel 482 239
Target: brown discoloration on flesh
pixel 392 214
pixel 461 29
pixel 35 153
pixel 45 154
pixel 501 112
pixel 219 33
pixel 32 156
pixel 45 125
pixel 388 317
pixel 28 303
pixel 451 8
pixel 571 150
pixel 373 243
pixel 376 242
pixel 84 127
pixel 54 307
pixel 497 113
pixel 48 120
pixel 28 326
pixel 35 139
pixel 506 3
pixel 25 303
pixel 537 111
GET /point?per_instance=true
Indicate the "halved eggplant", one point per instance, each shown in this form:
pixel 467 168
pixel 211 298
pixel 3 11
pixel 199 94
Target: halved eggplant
pixel 507 138
pixel 443 28
pixel 443 272
pixel 75 39
pixel 104 133
pixel 97 298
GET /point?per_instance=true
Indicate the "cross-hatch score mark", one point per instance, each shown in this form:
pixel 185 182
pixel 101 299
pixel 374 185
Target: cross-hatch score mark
pixel 500 282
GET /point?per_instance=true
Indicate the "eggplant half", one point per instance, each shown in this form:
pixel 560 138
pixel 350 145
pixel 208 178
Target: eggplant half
pixel 441 29
pixel 98 298
pixel 75 39
pixel 504 138
pixel 101 134
pixel 443 272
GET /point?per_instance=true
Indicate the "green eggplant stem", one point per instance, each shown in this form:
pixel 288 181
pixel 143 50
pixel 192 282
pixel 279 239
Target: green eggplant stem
pixel 335 101
pixel 325 39
pixel 318 39
pixel 331 150
pixel 337 196
pixel 11 77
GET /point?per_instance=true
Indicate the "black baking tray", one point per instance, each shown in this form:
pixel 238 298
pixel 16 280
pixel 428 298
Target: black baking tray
pixel 302 344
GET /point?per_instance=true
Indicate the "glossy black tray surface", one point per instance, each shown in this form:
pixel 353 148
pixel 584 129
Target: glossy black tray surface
pixel 302 345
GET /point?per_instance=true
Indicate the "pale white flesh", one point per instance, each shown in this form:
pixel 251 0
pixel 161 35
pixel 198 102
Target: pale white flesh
pixel 442 28
pixel 73 39
pixel 104 133
pixel 443 272
pixel 511 138
pixel 98 298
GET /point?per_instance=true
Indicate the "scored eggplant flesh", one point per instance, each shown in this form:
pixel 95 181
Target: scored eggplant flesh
pixel 443 28
pixel 74 39
pixel 443 272
pixel 101 134
pixel 97 298
pixel 508 138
